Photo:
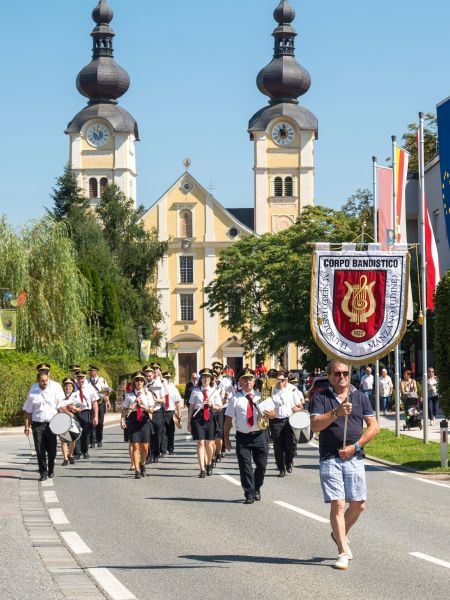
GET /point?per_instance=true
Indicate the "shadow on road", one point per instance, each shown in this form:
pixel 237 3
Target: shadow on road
pixel 272 560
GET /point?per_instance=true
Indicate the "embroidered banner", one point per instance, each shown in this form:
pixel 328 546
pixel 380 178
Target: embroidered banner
pixel 359 302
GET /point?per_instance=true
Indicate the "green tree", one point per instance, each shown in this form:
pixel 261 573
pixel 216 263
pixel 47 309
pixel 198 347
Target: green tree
pixel 262 285
pixel 360 207
pixel 431 142
pixel 441 341
pixel 67 196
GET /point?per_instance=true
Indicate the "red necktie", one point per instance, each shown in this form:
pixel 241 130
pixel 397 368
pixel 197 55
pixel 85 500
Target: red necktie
pixel 206 415
pixel 138 409
pixel 81 395
pixel 250 413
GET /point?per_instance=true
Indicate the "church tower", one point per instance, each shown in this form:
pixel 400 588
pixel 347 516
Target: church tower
pixel 103 135
pixel 283 134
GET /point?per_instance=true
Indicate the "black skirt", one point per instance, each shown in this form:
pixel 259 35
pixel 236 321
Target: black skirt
pixel 139 431
pixel 201 429
pixel 219 418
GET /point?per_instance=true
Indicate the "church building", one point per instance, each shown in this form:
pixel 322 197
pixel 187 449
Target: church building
pixel 199 227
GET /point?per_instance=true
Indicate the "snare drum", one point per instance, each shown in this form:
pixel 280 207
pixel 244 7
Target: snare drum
pixel 65 427
pixel 301 426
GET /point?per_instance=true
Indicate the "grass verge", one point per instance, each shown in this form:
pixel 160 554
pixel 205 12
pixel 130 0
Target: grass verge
pixel 407 452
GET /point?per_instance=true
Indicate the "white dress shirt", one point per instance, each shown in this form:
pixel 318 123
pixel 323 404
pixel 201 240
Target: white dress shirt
pixel 43 404
pixel 285 399
pixel 145 397
pixel 90 395
pixel 367 382
pixel 99 385
pixel 174 396
pixel 196 398
pixel 237 409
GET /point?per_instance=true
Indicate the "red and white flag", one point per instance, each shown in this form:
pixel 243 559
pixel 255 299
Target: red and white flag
pixel 401 173
pixel 384 196
pixel 431 252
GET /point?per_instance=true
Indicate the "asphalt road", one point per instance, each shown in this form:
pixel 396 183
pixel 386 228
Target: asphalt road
pixel 172 536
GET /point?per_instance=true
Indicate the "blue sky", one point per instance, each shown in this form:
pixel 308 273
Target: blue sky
pixel 193 65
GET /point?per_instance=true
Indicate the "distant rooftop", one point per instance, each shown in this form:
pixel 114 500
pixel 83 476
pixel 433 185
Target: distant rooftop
pixel 245 215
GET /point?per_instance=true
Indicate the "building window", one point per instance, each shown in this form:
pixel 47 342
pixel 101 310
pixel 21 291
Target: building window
pixel 186 223
pixel 288 186
pixel 93 188
pixel 278 186
pixel 103 184
pixel 186 269
pixel 233 232
pixel 187 307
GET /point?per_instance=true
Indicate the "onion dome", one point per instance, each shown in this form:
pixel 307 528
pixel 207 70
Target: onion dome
pixel 103 80
pixel 284 80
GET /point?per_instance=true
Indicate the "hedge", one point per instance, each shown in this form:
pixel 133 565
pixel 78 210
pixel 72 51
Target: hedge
pixel 18 372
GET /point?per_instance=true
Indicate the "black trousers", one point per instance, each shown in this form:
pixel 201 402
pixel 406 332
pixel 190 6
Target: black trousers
pixel 158 433
pixel 45 443
pixel 96 433
pixel 283 442
pixel 252 447
pixel 168 443
pixel 84 419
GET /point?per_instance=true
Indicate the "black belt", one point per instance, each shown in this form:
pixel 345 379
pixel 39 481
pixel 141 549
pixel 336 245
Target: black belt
pixel 252 433
pixel 279 419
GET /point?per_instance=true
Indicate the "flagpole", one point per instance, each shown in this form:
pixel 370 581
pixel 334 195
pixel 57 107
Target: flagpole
pixel 375 237
pixel 396 351
pixel 423 270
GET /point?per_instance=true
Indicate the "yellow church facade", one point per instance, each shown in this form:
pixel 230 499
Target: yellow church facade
pixel 195 224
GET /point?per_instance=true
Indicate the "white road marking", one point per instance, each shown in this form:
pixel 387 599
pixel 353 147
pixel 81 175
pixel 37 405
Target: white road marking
pixel 75 543
pixel 436 561
pixel 57 516
pixel 300 511
pixel 445 485
pixel 231 479
pixel 50 497
pixel 47 483
pixel 111 584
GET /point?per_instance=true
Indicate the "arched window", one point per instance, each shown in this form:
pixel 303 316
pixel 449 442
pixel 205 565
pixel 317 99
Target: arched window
pixel 288 186
pixel 103 184
pixel 278 186
pixel 93 188
pixel 186 224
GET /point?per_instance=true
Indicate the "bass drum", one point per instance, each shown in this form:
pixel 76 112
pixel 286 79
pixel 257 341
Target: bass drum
pixel 67 429
pixel 301 426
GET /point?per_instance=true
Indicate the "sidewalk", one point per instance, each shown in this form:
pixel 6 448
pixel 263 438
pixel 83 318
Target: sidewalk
pixel 110 419
pixel 434 432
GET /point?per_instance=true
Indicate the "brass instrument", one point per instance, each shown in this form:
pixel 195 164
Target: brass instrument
pixel 266 392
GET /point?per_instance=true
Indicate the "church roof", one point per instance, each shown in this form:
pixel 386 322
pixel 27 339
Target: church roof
pixel 302 116
pixel 244 215
pixel 120 119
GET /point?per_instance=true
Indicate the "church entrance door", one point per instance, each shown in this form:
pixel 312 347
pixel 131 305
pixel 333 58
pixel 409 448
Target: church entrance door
pixel 187 364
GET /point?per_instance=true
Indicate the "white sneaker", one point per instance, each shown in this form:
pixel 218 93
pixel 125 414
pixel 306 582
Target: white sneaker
pixel 342 562
pixel 349 552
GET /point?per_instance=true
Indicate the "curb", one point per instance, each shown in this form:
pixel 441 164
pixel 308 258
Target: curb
pixel 387 463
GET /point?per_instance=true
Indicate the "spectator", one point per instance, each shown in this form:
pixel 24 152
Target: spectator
pixel 367 386
pixel 386 388
pixel 433 398
pixel 189 387
pixel 408 385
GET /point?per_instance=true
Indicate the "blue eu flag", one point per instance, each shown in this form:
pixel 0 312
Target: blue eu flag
pixel 443 116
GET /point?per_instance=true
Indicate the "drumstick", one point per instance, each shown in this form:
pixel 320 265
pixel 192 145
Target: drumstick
pixel 31 449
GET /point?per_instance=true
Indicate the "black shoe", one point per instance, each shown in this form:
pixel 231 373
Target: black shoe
pixel 218 458
pixel 202 475
pixel 72 460
pixel 50 475
pixel 86 455
pixel 282 474
pixel 209 470
pixel 77 457
pixel 171 452
pixel 64 463
pixel 143 470
pixel 289 468
pixel 92 445
pixel 148 460
pixel 137 475
pixel 99 444
pixel 162 455
pixel 249 500
pixel 257 496
pixel 213 463
pixel 155 460
pixel 43 477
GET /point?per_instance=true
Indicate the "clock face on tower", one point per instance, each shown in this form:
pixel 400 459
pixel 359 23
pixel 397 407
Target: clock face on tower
pixel 97 135
pixel 283 134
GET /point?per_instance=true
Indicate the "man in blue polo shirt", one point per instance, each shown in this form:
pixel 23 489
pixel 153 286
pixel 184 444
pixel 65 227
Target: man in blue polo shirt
pixel 342 473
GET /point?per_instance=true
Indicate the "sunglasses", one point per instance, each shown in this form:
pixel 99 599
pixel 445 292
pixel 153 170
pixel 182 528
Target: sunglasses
pixel 339 373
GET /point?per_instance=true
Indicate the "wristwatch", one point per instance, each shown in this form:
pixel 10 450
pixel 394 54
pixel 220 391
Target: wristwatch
pixel 357 447
pixel 333 412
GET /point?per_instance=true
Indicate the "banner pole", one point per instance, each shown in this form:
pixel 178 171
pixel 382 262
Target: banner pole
pixel 423 270
pixel 396 351
pixel 376 380
pixel 348 399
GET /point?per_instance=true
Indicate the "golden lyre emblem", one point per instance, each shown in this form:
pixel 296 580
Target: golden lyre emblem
pixel 359 303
